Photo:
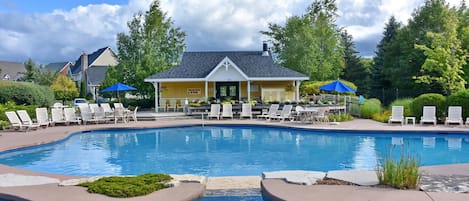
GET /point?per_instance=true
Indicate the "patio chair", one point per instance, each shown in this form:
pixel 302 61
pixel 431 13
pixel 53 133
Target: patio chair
pixel 70 116
pixel 16 123
pixel 42 117
pixel 26 119
pixel 272 111
pixel 120 113
pixel 57 105
pixel 214 111
pixel 227 111
pixel 454 115
pixel 171 104
pixel 133 115
pixel 299 114
pixel 397 115
pixel 467 121
pixel 108 111
pixel 246 111
pixel 118 105
pixel 322 115
pixel 58 116
pixel 428 115
pixel 284 114
pixel 86 116
pixel 93 108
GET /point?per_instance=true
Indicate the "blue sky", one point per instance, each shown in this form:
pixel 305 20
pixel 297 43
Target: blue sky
pixel 60 30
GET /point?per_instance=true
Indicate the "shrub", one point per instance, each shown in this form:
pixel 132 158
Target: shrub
pixel 141 103
pixel 340 117
pixel 12 106
pixel 25 93
pixel 430 99
pixel 401 173
pixel 460 98
pixel 128 186
pixel 370 107
pixel 407 103
pixel 382 117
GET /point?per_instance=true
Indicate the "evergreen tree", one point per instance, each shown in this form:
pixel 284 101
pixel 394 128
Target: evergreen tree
pixel 354 70
pixel 32 71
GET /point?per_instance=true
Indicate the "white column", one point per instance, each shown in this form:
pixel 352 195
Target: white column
pixel 206 90
pixel 249 90
pixel 297 91
pixel 239 90
pixel 157 93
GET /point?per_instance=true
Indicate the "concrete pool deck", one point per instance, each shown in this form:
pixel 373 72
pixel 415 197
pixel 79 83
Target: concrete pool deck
pixel 12 140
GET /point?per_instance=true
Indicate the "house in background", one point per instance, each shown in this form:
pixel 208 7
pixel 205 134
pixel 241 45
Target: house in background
pixel 234 75
pixel 92 69
pixel 59 67
pixel 12 70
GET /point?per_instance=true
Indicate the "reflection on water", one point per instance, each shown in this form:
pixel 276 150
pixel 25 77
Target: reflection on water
pixel 238 150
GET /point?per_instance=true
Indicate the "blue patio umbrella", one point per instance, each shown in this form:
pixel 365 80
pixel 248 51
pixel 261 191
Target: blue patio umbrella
pixel 118 87
pixel 337 86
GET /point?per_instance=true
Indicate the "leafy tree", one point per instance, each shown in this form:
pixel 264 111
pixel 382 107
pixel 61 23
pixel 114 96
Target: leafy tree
pixel 111 78
pixel 463 33
pixel 64 88
pixel 45 78
pixel 152 45
pixel 310 44
pixel 354 70
pixel 444 58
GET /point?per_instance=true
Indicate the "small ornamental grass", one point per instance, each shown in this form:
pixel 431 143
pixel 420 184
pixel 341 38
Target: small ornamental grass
pixel 401 173
pixel 124 187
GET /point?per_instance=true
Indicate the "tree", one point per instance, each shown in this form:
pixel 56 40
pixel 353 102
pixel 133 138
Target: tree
pixel 64 88
pixel 444 58
pixel 45 78
pixel 32 71
pixel 310 44
pixel 354 70
pixel 152 45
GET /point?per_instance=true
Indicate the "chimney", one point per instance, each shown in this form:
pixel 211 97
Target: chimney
pixel 265 49
pixel 84 66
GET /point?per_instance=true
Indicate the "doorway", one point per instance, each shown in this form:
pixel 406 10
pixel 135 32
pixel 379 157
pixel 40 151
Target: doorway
pixel 227 90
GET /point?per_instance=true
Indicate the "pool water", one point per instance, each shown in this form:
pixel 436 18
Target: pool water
pixel 232 151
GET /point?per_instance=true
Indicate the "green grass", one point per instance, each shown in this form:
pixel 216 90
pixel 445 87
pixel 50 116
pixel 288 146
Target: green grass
pixel 124 187
pixel 400 174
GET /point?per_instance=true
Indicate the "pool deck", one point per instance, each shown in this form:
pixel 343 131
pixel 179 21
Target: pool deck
pixel 276 189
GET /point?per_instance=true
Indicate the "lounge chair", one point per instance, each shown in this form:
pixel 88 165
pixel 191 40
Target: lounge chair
pixel 214 111
pixel 284 114
pixel 133 115
pixel 42 117
pixel 272 111
pixel 454 115
pixel 467 121
pixel 227 111
pixel 86 115
pixel 397 115
pixel 171 104
pixel 94 108
pixel 120 113
pixel 108 111
pixel 428 115
pixel 246 111
pixel 70 116
pixel 26 119
pixel 16 123
pixel 58 116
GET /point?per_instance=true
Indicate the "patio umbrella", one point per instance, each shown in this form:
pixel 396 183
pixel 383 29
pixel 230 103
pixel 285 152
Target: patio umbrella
pixel 118 87
pixel 337 86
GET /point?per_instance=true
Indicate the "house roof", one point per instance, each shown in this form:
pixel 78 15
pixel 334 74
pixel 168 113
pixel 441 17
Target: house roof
pixel 198 65
pixel 96 74
pixel 14 70
pixel 91 58
pixel 55 67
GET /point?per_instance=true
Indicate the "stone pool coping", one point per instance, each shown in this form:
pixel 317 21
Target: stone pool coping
pixel 13 140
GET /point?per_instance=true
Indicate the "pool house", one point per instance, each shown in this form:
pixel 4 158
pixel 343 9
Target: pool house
pixel 230 75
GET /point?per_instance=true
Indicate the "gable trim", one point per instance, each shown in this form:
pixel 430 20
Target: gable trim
pixel 224 63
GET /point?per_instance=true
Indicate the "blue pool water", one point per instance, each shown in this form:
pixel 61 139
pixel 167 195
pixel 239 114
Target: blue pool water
pixel 231 151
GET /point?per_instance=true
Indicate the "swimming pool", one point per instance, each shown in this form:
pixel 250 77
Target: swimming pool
pixel 231 151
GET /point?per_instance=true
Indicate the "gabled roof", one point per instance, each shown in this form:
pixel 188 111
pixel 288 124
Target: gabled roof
pixel 198 65
pixel 14 70
pixel 55 67
pixel 91 58
pixel 96 74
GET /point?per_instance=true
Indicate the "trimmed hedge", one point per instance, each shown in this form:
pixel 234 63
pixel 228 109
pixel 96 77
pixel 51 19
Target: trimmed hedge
pixel 26 93
pixel 430 99
pixel 460 98
pixel 370 107
pixel 407 103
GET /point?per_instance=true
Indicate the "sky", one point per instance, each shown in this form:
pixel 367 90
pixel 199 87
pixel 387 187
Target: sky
pixel 60 30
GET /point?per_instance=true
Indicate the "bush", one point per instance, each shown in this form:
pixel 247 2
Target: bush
pixel 430 99
pixel 26 93
pixel 460 98
pixel 124 187
pixel 370 107
pixel 382 117
pixel 401 174
pixel 340 117
pixel 141 103
pixel 12 106
pixel 407 103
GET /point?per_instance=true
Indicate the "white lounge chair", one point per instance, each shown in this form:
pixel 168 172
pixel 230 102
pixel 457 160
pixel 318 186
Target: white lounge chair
pixel 397 115
pixel 16 123
pixel 214 111
pixel 284 114
pixel 58 116
pixel 108 111
pixel 429 115
pixel 246 111
pixel 42 117
pixel 272 111
pixel 26 119
pixel 70 116
pixel 454 115
pixel 227 111
pixel 94 108
pixel 86 115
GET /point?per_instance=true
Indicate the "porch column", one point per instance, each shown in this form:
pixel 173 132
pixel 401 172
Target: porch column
pixel 239 89
pixel 157 93
pixel 297 91
pixel 249 90
pixel 206 90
